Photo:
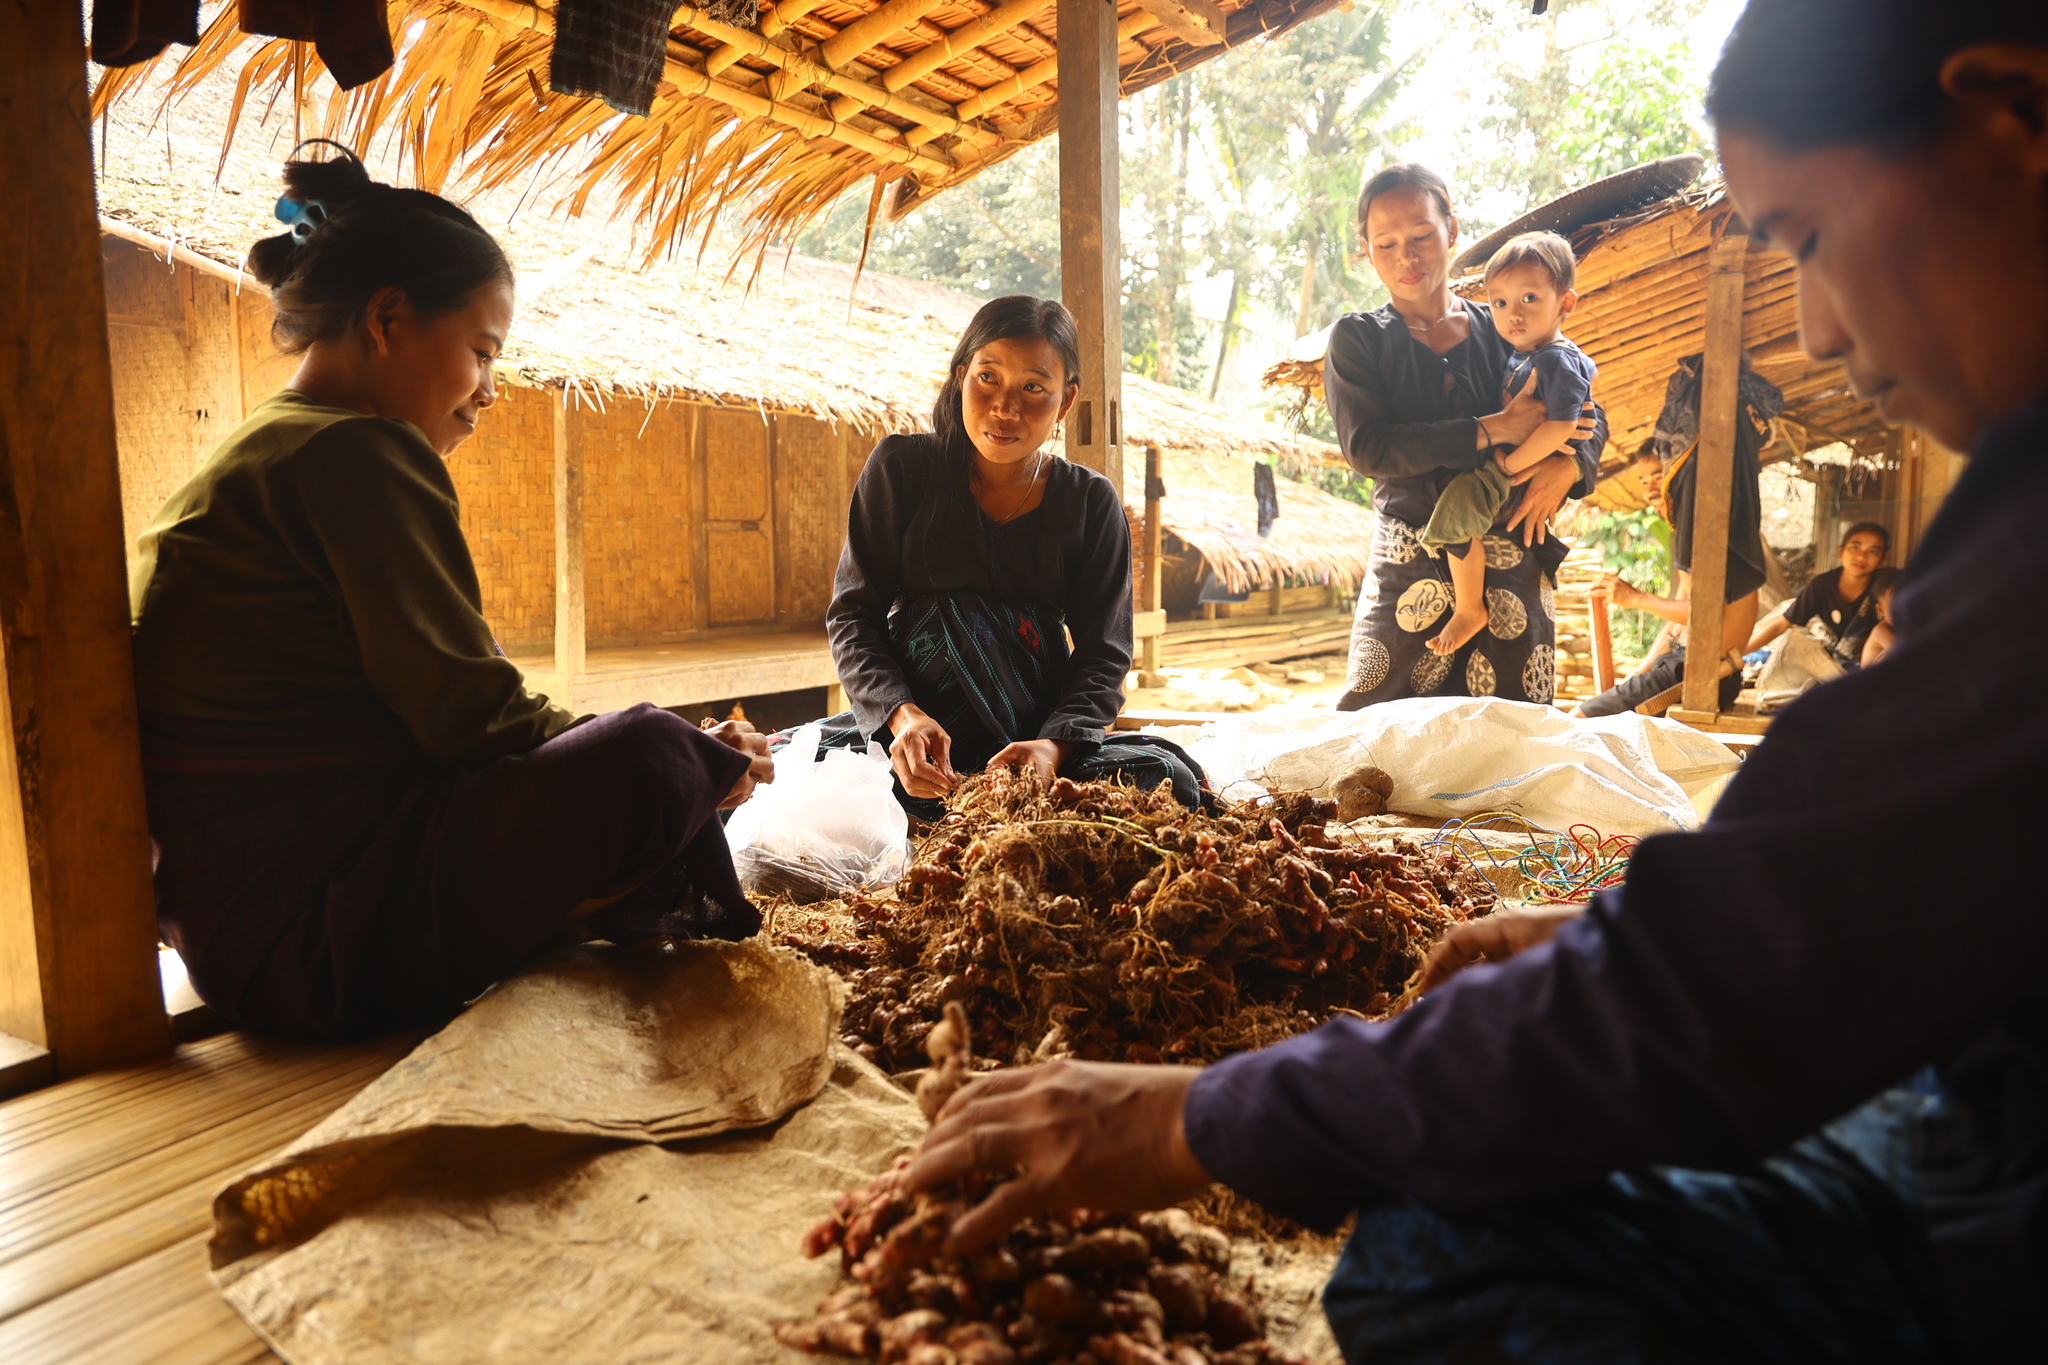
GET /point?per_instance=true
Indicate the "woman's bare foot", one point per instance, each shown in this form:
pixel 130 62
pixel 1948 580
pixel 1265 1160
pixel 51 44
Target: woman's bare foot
pixel 1465 623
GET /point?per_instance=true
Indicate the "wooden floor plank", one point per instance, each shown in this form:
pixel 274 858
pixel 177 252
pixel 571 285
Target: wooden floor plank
pixel 31 1117
pixel 120 1128
pixel 53 1244
pixel 161 1310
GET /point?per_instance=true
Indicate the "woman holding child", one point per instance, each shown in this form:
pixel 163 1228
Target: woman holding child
pixel 1418 389
pixel 972 555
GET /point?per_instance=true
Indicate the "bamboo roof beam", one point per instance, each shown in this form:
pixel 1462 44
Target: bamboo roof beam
pixel 1038 74
pixel 772 24
pixel 695 80
pixel 873 29
pixel 1200 23
pixel 960 42
pixel 857 94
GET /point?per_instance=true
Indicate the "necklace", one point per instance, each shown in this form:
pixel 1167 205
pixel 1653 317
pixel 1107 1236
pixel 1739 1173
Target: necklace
pixel 1037 468
pixel 1430 326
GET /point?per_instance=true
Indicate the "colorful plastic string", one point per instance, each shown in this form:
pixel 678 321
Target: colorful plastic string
pixel 1566 867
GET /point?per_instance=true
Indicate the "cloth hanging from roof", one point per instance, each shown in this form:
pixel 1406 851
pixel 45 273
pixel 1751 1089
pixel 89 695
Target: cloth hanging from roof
pixel 352 37
pixel 1677 437
pixel 613 49
pixel 125 32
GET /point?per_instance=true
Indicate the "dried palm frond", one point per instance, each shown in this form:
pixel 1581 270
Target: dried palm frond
pixel 777 123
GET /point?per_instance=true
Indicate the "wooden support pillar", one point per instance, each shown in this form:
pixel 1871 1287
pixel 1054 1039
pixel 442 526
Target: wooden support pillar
pixel 1155 548
pixel 78 937
pixel 569 653
pixel 1090 246
pixel 1714 470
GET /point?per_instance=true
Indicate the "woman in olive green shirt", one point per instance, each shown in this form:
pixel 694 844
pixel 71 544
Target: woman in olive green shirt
pixel 362 816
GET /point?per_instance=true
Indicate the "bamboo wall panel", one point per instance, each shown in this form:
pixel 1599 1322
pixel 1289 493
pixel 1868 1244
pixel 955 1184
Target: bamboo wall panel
pixel 264 369
pixel 503 477
pixel 175 394
pixel 638 587
pixel 810 518
pixel 739 517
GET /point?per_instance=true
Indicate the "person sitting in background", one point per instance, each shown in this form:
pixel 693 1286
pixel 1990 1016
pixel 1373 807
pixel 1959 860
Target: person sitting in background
pixel 1664 667
pixel 1840 604
pixel 1879 641
pixel 971 556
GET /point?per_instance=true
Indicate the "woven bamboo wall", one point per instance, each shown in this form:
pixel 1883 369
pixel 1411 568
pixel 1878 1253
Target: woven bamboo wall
pixel 810 515
pixel 264 369
pixel 637 581
pixel 175 395
pixel 504 476
pixel 739 512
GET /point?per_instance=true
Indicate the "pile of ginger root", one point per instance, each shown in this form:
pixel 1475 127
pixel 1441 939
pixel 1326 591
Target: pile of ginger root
pixel 1084 1287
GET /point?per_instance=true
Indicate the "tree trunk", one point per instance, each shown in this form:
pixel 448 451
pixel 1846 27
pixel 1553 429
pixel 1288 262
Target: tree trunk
pixel 1304 309
pixel 1229 332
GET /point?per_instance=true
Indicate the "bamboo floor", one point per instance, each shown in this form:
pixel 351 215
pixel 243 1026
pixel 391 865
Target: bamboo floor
pixel 106 1195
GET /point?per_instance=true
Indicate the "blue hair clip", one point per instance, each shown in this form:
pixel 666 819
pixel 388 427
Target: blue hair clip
pixel 303 216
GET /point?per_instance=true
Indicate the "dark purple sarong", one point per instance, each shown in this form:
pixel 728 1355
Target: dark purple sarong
pixel 337 883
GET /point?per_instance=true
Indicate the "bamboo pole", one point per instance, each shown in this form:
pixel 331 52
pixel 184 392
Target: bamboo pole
pixel 570 657
pixel 873 28
pixel 1714 474
pixel 1597 605
pixel 1089 234
pixel 773 23
pixel 960 42
pixel 858 94
pixel 1155 547
pixel 693 80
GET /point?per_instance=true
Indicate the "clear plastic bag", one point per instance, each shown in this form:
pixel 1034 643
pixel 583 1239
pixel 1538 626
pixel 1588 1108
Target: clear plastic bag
pixel 823 827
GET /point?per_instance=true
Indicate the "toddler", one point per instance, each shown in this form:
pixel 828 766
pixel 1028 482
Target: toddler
pixel 1529 285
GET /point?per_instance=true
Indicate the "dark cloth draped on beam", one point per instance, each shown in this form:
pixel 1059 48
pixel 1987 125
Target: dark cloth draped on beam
pixel 613 49
pixel 125 32
pixel 1676 440
pixel 1738 992
pixel 353 37
pixel 334 882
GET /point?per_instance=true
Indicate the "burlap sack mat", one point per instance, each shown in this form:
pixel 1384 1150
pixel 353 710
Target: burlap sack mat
pixel 611 1158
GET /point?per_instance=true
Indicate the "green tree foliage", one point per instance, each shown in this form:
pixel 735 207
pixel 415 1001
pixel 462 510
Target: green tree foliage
pixel 1246 169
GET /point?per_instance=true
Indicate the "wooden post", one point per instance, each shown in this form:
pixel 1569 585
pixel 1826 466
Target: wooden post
pixel 78 970
pixel 569 652
pixel 1597 605
pixel 1090 246
pixel 1155 547
pixel 1714 472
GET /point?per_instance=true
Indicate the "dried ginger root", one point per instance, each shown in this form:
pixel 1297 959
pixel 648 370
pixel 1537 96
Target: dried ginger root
pixel 1103 922
pixel 1093 1289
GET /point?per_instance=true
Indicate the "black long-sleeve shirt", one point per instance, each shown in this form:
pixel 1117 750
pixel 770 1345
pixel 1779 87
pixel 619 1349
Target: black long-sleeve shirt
pixel 1407 418
pixel 914 528
pixel 1741 989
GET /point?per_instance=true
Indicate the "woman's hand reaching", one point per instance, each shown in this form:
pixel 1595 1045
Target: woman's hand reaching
pixel 1494 938
pixel 921 752
pixel 1095 1135
pixel 738 734
pixel 1042 756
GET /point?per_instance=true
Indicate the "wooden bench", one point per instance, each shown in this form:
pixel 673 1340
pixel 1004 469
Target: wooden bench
pixel 106 1195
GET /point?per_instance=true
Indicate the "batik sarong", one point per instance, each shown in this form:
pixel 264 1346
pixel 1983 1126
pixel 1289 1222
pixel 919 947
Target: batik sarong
pixel 990 673
pixel 1406 597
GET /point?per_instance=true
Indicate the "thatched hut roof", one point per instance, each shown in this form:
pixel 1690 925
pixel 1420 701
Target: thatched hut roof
pixel 782 119
pixel 1642 304
pixel 602 325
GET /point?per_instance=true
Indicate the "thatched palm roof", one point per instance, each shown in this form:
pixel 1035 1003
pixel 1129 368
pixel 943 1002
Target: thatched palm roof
pixel 598 322
pixel 917 94
pixel 1642 304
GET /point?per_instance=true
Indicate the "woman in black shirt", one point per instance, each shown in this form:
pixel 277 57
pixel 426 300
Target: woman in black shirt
pixel 971 555
pixel 1843 600
pixel 1413 387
